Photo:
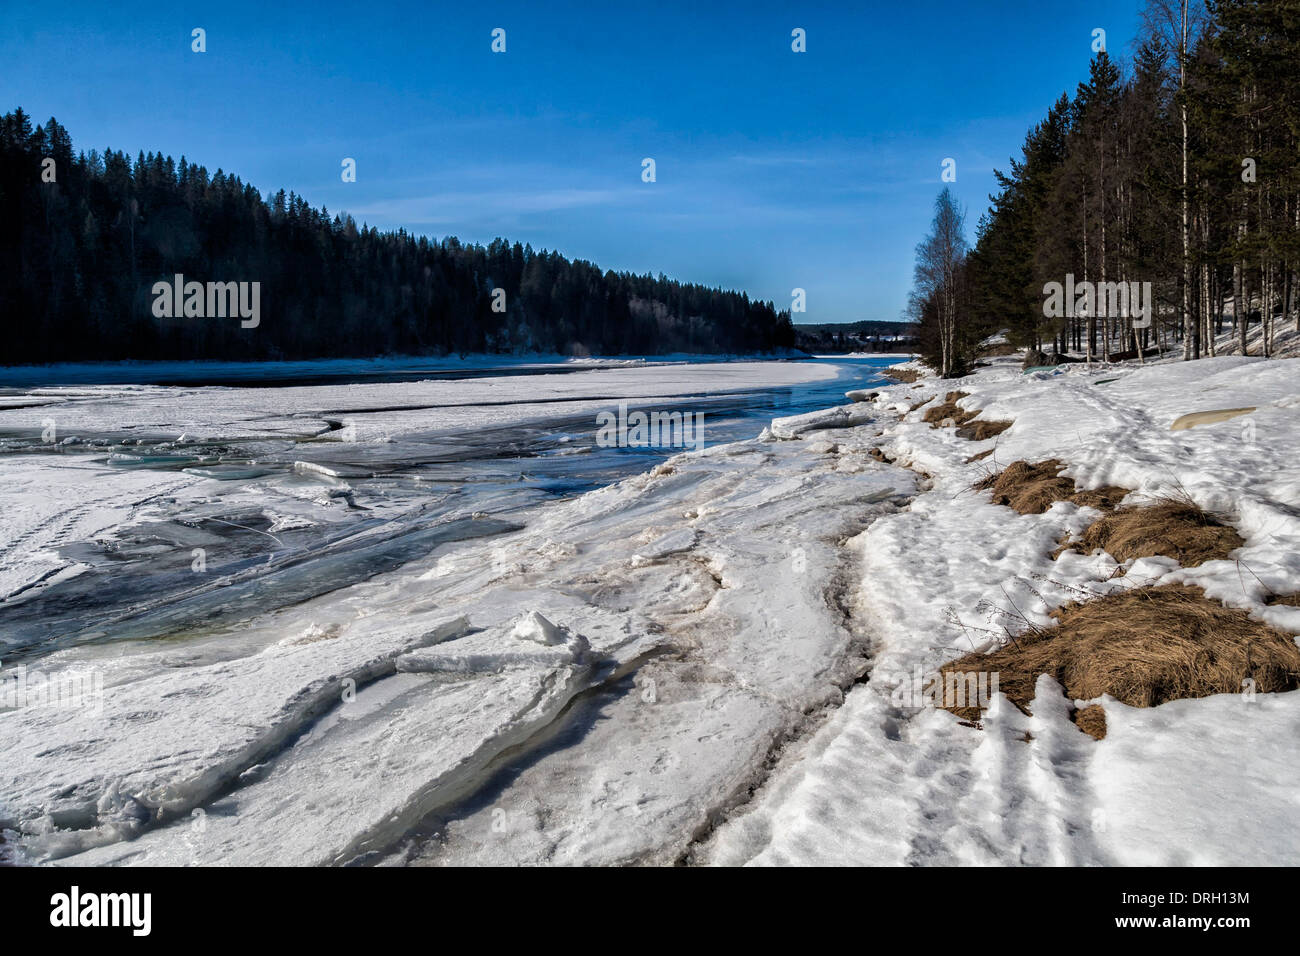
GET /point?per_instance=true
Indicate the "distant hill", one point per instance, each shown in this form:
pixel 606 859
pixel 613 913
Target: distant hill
pixel 104 258
pixel 865 336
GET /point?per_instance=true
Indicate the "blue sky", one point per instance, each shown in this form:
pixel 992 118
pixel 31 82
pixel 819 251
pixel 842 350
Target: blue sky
pixel 775 169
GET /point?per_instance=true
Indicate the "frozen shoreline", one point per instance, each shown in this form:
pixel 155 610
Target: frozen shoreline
pixel 733 620
pixel 660 568
pixel 1208 781
pixel 152 470
pixel 207 372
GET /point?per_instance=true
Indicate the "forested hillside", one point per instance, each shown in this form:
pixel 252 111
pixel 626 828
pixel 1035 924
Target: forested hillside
pixel 870 335
pixel 1180 168
pixel 82 252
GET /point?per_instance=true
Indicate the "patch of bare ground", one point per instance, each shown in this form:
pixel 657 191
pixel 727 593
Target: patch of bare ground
pixel 979 430
pixel 1144 646
pixel 979 455
pixel 924 401
pixel 949 411
pixel 906 375
pixel 1287 600
pixel 1091 720
pixel 1031 488
pixel 1174 528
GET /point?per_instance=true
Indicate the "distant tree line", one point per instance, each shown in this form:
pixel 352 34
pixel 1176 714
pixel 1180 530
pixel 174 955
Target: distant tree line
pixel 84 237
pixel 868 335
pixel 1183 172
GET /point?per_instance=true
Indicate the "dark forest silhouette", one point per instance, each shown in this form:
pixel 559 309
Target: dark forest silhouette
pixel 81 254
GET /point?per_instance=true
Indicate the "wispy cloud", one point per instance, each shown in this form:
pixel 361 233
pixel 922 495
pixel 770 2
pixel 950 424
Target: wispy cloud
pixel 461 206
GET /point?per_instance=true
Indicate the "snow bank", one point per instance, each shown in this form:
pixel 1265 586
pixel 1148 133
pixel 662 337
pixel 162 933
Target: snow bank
pixel 641 657
pixel 845 416
pixel 1208 781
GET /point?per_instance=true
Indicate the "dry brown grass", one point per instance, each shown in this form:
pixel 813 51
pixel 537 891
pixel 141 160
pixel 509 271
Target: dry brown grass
pixel 1091 720
pixel 949 410
pixel 924 401
pixel 1032 488
pixel 1144 646
pixel 950 413
pixel 1288 600
pixel 902 374
pixel 1103 499
pixel 1172 527
pixel 979 430
pixel 979 455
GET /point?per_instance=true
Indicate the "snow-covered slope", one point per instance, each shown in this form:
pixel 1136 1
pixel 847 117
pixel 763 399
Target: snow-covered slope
pixel 1212 780
pixel 701 662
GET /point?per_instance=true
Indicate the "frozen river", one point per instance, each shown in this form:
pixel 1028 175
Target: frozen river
pixel 137 511
pixel 311 623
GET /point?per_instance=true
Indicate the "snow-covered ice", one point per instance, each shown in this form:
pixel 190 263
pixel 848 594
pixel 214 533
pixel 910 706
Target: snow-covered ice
pixel 694 663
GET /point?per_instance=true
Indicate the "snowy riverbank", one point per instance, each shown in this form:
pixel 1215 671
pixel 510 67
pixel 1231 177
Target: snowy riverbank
pixel 1204 781
pixel 383 368
pixel 325 731
pixel 700 664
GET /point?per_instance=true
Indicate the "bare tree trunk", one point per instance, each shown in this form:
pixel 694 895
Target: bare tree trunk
pixel 1092 319
pixel 1245 295
pixel 1101 202
pixel 1266 307
pixel 1187 237
pixel 1133 332
pixel 1296 222
pixel 1220 297
pixel 1288 291
pixel 1239 316
pixel 1209 319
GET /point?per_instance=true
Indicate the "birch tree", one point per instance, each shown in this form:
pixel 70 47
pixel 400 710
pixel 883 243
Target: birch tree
pixel 939 260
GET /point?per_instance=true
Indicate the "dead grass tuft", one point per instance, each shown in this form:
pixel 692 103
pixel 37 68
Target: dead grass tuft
pixel 979 430
pixel 1289 600
pixel 902 374
pixel 1105 498
pixel 1175 528
pixel 1144 646
pixel 1028 488
pixel 1091 720
pixel 949 410
pixel 1031 488
pixel 979 455
pixel 950 413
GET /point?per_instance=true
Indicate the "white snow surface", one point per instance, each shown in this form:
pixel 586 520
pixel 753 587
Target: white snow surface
pixel 698 663
pixel 327 731
pixel 1193 782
